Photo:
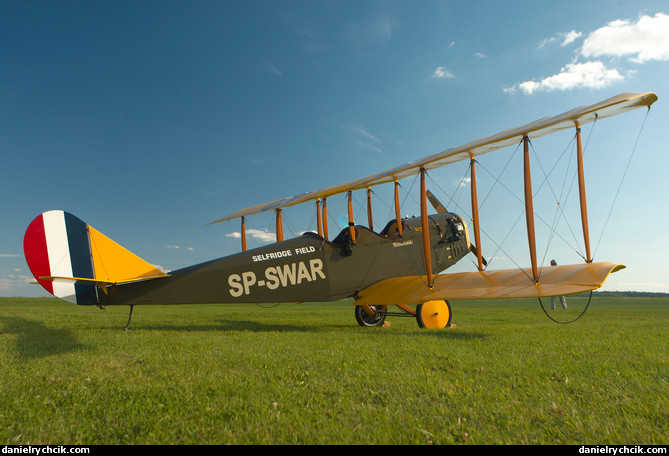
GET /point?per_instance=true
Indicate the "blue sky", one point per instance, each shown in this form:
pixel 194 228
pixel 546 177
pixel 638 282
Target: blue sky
pixel 149 119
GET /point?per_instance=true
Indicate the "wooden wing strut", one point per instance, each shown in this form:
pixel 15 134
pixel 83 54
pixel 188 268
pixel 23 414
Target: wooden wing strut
pixel 243 234
pixel 529 209
pixel 425 228
pixel 279 225
pixel 475 214
pixel 398 214
pixel 581 193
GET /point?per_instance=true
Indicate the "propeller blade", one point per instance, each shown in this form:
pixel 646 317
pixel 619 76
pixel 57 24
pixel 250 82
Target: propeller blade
pixel 435 202
pixel 473 250
pixel 442 210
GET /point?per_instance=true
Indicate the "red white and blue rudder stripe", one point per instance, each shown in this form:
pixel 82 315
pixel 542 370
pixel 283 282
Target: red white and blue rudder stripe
pixel 56 244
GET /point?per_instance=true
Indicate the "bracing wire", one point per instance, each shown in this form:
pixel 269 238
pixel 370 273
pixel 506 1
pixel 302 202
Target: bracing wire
pixel 498 245
pixel 608 216
pixel 497 178
pixel 636 143
pixel 408 192
pixel 559 211
pixel 568 192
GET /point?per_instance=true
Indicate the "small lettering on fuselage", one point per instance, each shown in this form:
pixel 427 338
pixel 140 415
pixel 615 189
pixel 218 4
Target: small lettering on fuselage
pixel 283 253
pixel 402 244
pixel 277 276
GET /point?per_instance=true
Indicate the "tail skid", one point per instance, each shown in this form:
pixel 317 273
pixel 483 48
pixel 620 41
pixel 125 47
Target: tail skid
pixel 73 260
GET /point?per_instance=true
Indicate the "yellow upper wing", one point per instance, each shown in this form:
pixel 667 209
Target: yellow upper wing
pixel 504 283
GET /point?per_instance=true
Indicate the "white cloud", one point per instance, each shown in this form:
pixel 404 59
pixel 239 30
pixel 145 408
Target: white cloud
pixel 573 75
pixel 363 138
pixel 174 246
pixel 383 29
pixel 642 41
pixel 565 38
pixel 361 130
pixel 6 285
pixel 12 283
pixel 364 33
pixel 262 235
pixel 570 37
pixel 274 69
pixel 441 72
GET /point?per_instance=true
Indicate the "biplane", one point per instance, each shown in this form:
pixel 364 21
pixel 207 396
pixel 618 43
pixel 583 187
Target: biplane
pixel 400 266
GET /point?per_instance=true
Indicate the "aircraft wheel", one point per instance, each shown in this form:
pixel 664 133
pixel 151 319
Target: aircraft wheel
pixel 433 314
pixel 366 320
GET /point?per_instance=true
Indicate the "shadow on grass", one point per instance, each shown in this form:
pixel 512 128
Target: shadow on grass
pixel 34 340
pixel 255 326
pixel 225 325
pixel 252 326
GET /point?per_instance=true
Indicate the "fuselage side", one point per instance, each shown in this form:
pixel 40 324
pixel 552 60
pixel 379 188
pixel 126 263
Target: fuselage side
pixel 306 268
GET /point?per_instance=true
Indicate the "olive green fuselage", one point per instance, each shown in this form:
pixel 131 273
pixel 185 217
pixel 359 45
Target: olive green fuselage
pixel 304 269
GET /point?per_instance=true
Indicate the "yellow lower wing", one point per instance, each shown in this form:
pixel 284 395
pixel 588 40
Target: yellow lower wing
pixel 500 284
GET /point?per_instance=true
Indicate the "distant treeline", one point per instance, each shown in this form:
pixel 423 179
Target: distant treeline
pixel 629 294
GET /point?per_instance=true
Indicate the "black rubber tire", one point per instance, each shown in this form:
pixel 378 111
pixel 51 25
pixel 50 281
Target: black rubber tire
pixel 365 320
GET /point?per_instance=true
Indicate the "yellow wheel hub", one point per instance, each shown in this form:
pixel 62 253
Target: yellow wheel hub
pixel 433 314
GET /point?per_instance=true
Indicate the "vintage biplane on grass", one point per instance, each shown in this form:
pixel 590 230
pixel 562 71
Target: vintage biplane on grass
pixel 400 266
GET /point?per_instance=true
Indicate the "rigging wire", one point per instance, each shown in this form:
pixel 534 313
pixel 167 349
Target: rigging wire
pixel 559 208
pixel 497 178
pixel 498 181
pixel 559 212
pixel 499 246
pixel 636 143
pixel 408 192
pixel 609 214
pixel 569 192
pixel 338 211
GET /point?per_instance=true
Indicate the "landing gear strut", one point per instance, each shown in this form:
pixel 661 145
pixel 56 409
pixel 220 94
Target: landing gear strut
pixel 434 314
pixel 129 318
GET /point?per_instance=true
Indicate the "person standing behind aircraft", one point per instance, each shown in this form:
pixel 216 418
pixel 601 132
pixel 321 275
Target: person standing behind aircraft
pixel 563 300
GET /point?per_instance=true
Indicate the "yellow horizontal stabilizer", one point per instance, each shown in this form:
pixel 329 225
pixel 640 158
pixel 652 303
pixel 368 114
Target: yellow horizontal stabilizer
pixel 500 284
pixel 113 263
pixel 87 281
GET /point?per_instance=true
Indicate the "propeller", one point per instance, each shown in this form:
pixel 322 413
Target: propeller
pixel 435 203
pixel 442 210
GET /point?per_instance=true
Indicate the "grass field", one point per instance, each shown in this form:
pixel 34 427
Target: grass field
pixel 308 374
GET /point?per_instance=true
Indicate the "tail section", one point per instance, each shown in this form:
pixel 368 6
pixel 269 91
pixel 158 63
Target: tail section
pixel 73 260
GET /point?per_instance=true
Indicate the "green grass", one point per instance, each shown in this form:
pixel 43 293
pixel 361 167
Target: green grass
pixel 308 374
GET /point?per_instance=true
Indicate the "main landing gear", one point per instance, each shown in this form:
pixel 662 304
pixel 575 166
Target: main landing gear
pixel 370 316
pixel 434 314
